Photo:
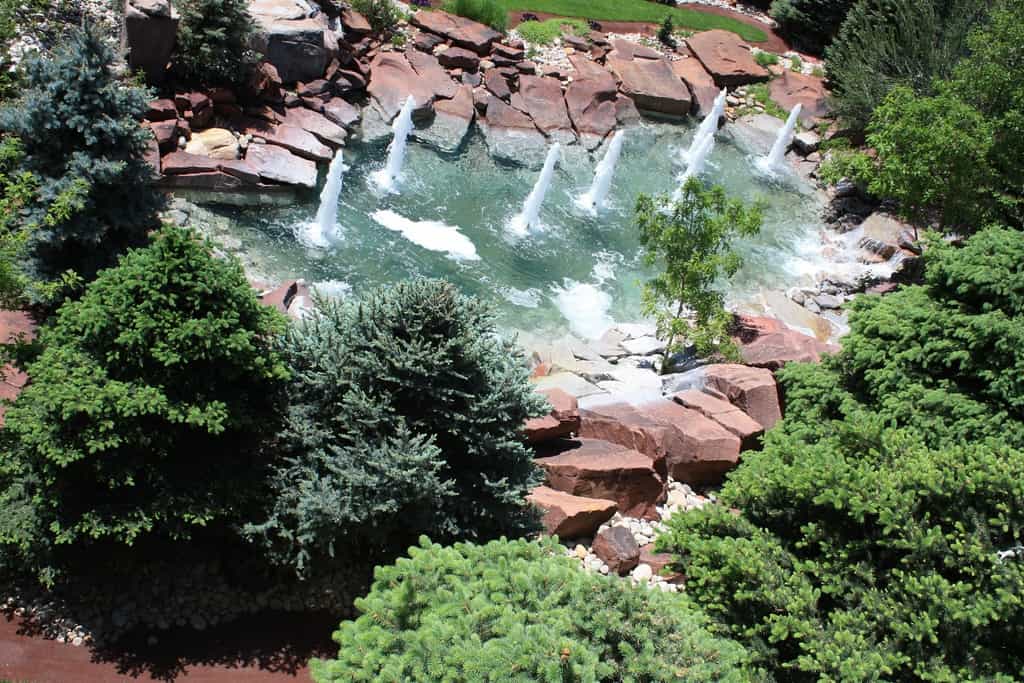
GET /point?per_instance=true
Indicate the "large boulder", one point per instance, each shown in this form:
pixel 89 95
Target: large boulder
pixel 699 81
pixel 724 413
pixel 562 421
pixel 619 550
pixel 679 441
pixel 768 343
pixel 569 516
pixel 342 113
pixel 752 390
pixel 590 102
pixel 430 70
pixel 296 140
pixel 650 82
pixel 393 80
pixel 512 136
pixel 542 98
pixel 462 32
pixel 278 165
pixel 727 58
pixel 293 37
pixel 327 131
pixel 791 89
pixel 150 28
pixel 452 120
pixel 600 469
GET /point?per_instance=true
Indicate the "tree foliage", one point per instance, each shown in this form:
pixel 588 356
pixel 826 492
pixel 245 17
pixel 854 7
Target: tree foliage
pixel 404 417
pixel 689 238
pixel 521 611
pixel 145 407
pixel 886 43
pixel 810 24
pixel 79 128
pixel 214 41
pixel 882 524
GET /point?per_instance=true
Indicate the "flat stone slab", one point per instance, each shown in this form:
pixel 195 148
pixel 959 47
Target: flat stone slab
pixel 593 468
pixel 724 413
pixel 569 516
pixel 569 383
pixel 319 125
pixel 791 89
pixel 462 32
pixel 752 390
pixel 562 421
pixel 701 83
pixel 392 80
pixel 542 97
pixel 276 164
pixel 452 121
pixel 727 58
pixel 512 136
pixel 651 83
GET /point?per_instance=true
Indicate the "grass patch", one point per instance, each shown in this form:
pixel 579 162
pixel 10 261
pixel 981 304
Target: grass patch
pixel 766 59
pixel 545 32
pixel 796 64
pixel 490 12
pixel 637 10
pixel 759 92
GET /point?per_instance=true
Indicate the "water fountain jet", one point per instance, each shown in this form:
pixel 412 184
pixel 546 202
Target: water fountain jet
pixel 326 225
pixel 387 178
pixel 775 161
pixel 708 127
pixel 529 216
pixel 593 199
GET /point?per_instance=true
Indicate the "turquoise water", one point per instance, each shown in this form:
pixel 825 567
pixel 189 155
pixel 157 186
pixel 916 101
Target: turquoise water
pixel 575 272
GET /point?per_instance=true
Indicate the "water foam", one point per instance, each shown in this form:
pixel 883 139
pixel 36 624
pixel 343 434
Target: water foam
pixel 585 307
pixel 431 235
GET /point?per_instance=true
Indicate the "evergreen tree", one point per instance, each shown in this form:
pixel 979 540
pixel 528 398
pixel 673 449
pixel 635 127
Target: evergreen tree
pixel 810 24
pixel 405 417
pixel 146 408
pixel 522 612
pixel 214 41
pixel 80 131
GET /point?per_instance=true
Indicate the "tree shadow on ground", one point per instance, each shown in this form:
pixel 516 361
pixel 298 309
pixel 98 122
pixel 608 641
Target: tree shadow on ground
pixel 274 642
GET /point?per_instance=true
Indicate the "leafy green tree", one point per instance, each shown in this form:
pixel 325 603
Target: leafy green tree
pixel 146 409
pixel 934 157
pixel 521 611
pixel 690 240
pixel 810 24
pixel 404 417
pixel 79 127
pixel 882 525
pixel 885 43
pixel 214 38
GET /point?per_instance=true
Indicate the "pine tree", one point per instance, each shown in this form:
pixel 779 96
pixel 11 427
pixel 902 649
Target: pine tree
pixel 405 417
pixel 80 132
pixel 214 39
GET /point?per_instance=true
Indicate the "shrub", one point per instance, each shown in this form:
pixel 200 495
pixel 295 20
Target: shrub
pixel 766 59
pixel 846 163
pixel 145 408
pixel 665 36
pixel 810 24
pixel 690 239
pixel 81 138
pixel 405 417
pixel 521 611
pixel 383 15
pixel 934 159
pixel 490 12
pixel 882 522
pixel 545 32
pixel 796 64
pixel 885 43
pixel 214 37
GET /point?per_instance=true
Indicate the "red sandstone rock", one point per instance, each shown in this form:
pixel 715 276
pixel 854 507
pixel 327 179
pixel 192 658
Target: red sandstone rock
pixel 462 32
pixel 341 112
pixel 355 22
pixel 658 562
pixel 166 134
pixel 590 101
pixel 768 343
pixel 562 421
pixel 619 550
pixel 650 82
pixel 497 84
pixel 568 516
pixel 724 413
pixel 162 110
pixel 752 390
pixel 308 120
pixel 727 58
pixel 276 164
pixel 792 88
pixel 542 96
pixel 680 441
pixel 392 80
pixel 701 83
pixel 459 58
pixel 430 70
pixel 296 140
pixel 600 469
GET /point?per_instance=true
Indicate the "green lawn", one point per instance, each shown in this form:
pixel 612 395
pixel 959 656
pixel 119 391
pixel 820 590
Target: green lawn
pixel 637 10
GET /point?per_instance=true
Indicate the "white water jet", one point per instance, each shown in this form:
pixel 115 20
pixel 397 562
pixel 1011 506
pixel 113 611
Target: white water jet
pixel 585 307
pixel 707 127
pixel 695 167
pixel 593 199
pixel 325 227
pixel 775 161
pixel 431 235
pixel 528 217
pixel 387 178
